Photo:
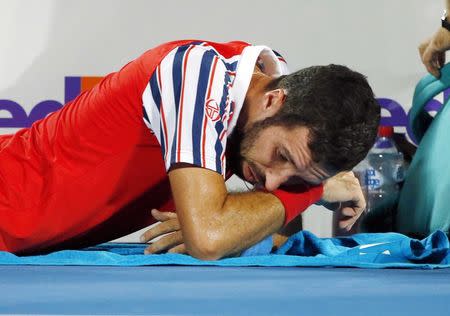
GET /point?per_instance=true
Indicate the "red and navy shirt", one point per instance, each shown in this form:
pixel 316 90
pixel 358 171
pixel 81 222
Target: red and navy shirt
pixel 195 95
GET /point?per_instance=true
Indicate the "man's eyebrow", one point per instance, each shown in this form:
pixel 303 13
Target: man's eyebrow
pixel 289 156
pixel 317 172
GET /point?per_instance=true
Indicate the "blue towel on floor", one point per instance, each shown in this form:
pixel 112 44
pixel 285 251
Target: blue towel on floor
pixel 384 250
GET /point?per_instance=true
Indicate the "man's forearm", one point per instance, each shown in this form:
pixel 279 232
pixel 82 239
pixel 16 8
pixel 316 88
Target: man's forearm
pixel 245 219
pixel 241 220
pixel 215 223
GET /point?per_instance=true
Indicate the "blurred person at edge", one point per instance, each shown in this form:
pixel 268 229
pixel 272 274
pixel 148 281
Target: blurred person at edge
pixel 432 51
pixel 165 132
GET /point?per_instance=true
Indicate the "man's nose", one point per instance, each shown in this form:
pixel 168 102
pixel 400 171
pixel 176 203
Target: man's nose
pixel 274 179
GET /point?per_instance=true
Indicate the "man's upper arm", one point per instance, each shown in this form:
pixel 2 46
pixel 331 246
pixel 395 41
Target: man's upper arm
pixel 199 193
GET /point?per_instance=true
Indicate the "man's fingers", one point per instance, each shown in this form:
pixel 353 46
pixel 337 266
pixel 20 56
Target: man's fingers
pixel 349 217
pixel 167 242
pixel 162 228
pixel 168 226
pixel 430 60
pixel 359 201
pixel 348 211
pixel 356 205
pixel 178 249
pixel 433 69
pixel 347 223
pixel 360 205
pixel 441 59
pixel 422 48
pixel 163 216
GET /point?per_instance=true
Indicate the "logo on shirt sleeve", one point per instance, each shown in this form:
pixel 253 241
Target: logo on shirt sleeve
pixel 212 110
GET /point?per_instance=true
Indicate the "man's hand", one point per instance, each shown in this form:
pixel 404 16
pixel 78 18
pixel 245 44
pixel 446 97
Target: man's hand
pixel 345 189
pixel 432 51
pixel 169 226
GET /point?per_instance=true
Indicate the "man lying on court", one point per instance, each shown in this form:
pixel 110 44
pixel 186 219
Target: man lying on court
pixel 171 126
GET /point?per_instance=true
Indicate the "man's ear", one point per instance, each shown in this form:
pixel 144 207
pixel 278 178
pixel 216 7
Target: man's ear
pixel 273 100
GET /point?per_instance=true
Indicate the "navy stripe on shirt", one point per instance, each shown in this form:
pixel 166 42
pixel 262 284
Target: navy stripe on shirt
pixel 177 77
pixel 202 86
pixel 219 124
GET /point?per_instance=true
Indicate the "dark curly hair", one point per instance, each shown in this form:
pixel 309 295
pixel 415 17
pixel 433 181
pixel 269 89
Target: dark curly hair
pixel 339 108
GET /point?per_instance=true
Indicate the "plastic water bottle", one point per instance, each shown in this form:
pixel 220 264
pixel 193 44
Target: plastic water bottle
pixel 380 174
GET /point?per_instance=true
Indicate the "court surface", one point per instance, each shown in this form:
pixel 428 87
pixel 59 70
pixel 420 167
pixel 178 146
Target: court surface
pixel 202 290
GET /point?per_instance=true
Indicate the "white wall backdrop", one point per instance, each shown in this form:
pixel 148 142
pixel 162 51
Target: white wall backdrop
pixel 44 41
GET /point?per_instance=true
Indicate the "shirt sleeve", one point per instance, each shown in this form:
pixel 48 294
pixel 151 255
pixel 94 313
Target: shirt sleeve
pixel 193 85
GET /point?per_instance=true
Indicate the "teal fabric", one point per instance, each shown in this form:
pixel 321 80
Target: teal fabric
pixel 385 250
pixel 425 197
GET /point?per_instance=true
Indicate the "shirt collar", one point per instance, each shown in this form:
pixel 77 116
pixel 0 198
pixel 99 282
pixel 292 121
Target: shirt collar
pixel 244 71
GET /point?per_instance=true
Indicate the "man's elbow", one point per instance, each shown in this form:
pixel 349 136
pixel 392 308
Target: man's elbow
pixel 204 247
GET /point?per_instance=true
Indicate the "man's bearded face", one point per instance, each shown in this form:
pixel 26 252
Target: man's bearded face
pixel 270 156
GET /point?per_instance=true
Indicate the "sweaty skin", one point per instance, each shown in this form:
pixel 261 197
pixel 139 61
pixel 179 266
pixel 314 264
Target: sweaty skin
pixel 344 187
pixel 216 224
